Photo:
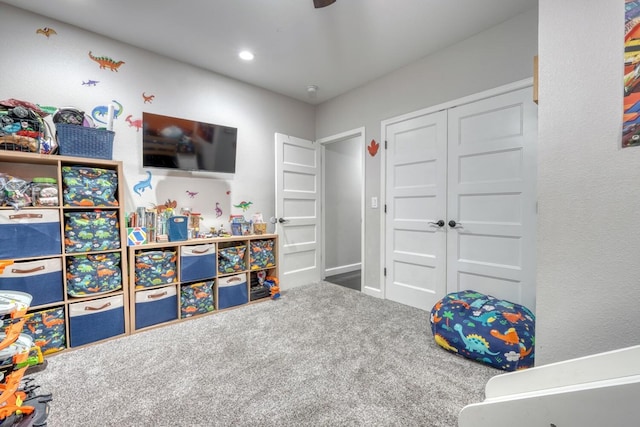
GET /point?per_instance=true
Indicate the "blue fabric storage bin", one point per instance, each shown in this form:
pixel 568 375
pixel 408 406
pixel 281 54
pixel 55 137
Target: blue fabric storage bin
pixel 32 233
pixel 96 320
pixel 156 306
pixel 197 262
pixel 177 228
pixel 41 279
pixel 232 291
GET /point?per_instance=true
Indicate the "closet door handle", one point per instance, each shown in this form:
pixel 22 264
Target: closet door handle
pixel 454 224
pixel 440 223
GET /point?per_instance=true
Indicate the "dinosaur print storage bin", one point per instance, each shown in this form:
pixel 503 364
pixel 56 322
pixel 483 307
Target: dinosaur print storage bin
pixel 93 274
pixel 486 329
pixel 47 328
pixel 231 259
pixel 196 298
pixel 87 186
pixel 91 231
pixel 261 255
pixel 155 268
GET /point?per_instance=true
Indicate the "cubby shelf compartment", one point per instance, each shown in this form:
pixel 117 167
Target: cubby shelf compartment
pixel 65 317
pixel 198 277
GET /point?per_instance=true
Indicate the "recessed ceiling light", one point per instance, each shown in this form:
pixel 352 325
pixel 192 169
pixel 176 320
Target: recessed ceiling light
pixel 246 55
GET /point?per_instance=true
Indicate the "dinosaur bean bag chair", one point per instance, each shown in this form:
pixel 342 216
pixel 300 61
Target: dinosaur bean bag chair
pixel 486 329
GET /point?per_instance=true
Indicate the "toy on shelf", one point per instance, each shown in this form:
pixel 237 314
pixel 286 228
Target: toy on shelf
pixel 272 283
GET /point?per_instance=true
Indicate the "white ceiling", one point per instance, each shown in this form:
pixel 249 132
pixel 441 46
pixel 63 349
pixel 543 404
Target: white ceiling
pixel 336 48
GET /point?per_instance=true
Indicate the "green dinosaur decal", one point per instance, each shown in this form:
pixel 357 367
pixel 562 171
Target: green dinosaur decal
pixel 474 342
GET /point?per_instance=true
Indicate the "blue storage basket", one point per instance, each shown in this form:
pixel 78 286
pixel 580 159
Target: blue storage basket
pixel 81 141
pixel 96 320
pixel 156 306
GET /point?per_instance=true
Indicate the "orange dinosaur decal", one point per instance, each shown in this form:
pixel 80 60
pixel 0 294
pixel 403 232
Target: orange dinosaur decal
pixel 200 294
pixel 50 323
pixel 106 62
pixel 42 342
pixel 147 98
pixel 509 337
pixel 459 301
pixel 105 272
pixel 513 317
pixel 524 352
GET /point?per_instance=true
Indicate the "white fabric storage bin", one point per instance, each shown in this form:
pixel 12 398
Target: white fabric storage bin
pixel 156 306
pixel 42 279
pixel 198 262
pixel 96 320
pixel 29 233
pixel 232 291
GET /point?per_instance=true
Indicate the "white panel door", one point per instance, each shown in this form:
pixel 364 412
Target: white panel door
pixel 416 201
pixel 297 210
pixel 492 197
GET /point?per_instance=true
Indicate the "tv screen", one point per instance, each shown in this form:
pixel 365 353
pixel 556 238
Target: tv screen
pixel 174 143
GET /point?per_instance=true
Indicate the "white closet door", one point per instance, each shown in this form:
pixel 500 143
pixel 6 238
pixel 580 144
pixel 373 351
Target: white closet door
pixel 474 167
pixel 416 199
pixel 492 197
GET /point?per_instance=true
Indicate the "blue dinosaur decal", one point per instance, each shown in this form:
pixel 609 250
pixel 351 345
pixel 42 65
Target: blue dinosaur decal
pixel 143 185
pixel 100 112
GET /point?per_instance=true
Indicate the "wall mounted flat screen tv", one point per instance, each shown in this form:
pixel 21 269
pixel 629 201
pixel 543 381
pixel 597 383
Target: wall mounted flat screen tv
pixel 182 144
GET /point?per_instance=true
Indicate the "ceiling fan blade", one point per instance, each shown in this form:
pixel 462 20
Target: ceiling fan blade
pixel 322 3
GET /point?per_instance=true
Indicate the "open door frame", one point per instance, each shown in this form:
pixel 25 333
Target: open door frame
pixel 354 133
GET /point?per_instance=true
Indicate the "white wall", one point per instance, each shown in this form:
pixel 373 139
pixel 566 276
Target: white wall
pixel 50 71
pixel 589 193
pixel 500 55
pixel 343 187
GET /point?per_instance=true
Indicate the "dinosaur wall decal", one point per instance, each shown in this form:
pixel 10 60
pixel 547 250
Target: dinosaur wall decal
pixel 90 82
pixel 147 98
pixel 243 205
pixel 136 123
pixel 46 31
pixel 106 62
pixel 143 185
pixel 100 112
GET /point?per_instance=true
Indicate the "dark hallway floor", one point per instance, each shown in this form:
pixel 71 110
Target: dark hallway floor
pixel 348 280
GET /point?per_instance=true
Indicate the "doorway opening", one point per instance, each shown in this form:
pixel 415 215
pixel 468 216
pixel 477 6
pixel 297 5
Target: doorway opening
pixel 342 206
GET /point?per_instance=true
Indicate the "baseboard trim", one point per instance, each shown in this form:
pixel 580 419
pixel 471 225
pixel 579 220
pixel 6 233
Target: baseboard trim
pixel 342 269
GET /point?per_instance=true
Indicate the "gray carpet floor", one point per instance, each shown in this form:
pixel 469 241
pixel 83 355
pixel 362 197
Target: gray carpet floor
pixel 322 355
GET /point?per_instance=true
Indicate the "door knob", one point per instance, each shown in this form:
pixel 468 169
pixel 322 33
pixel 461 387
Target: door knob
pixel 282 220
pixel 454 224
pixel 440 223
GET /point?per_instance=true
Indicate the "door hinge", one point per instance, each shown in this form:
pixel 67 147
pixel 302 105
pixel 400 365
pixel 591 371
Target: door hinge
pixel 385 144
pixel 385 272
pixel 385 208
